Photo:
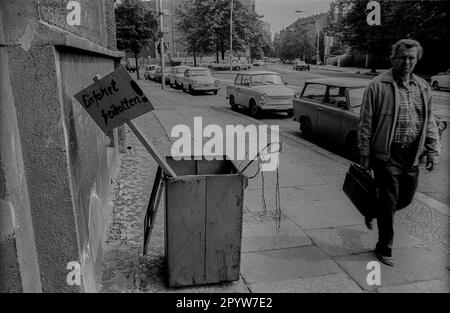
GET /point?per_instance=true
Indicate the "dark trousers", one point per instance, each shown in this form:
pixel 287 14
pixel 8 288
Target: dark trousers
pixel 397 183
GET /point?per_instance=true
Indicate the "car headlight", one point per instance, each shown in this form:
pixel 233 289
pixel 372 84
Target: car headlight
pixel 442 125
pixel 217 82
pixel 263 97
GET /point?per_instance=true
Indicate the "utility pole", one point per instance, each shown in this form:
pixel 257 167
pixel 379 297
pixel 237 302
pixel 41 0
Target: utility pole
pixel 161 42
pixel 231 36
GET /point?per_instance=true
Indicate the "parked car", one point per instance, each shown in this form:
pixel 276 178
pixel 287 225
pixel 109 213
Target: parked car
pixel 158 75
pixel 331 107
pixel 198 79
pixel 236 66
pixel 175 76
pixel 260 91
pixel 441 80
pixel 258 63
pixel 149 71
pixel 300 66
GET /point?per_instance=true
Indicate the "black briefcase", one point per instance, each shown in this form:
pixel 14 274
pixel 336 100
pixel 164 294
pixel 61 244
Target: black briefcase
pixel 361 189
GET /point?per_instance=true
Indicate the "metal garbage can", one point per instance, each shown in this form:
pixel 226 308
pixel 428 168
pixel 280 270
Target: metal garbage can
pixel 203 222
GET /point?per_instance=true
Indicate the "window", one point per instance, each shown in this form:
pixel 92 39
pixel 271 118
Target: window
pixel 336 97
pixel 238 79
pixel 315 92
pixel 201 73
pixel 266 79
pixel 245 80
pixel 355 96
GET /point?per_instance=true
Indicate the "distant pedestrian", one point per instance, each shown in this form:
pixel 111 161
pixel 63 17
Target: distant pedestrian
pixel 396 126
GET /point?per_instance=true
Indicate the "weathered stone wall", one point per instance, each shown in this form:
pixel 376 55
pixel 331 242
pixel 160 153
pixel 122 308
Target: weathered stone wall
pixel 62 182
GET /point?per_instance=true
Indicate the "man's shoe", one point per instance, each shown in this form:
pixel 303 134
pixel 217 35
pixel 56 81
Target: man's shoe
pixel 384 259
pixel 369 222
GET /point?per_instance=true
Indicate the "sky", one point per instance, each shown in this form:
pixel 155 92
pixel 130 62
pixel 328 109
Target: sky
pixel 281 13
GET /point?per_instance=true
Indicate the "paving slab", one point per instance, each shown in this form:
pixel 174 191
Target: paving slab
pixel 429 286
pixel 289 176
pixel 332 283
pixel 321 213
pixel 261 232
pixel 417 263
pixel 253 197
pixel 275 265
pixel 354 239
pixel 356 267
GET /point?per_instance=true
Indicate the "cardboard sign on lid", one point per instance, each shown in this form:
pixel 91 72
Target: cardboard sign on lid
pixel 114 100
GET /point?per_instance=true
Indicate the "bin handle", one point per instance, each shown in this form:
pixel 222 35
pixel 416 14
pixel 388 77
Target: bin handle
pixel 258 157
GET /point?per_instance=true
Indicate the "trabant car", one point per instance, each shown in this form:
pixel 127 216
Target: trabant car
pixel 301 66
pixel 330 107
pixel 224 66
pixel 198 79
pixel 175 76
pixel 260 91
pixel 441 80
pixel 158 75
pixel 149 72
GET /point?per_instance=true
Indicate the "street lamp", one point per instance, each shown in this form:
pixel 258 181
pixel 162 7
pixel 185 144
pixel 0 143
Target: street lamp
pixel 231 35
pixel 318 35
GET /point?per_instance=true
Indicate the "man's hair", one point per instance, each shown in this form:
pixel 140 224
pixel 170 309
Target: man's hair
pixel 408 44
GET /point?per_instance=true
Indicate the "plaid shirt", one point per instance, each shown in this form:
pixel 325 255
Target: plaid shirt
pixel 411 113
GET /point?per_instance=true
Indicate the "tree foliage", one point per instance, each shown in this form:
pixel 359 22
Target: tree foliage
pixel 206 24
pixel 425 21
pixel 136 26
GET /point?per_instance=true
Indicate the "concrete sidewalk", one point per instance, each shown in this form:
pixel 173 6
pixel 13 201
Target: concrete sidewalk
pixel 322 244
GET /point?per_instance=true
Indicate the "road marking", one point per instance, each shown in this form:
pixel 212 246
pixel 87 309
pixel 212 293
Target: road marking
pixel 435 204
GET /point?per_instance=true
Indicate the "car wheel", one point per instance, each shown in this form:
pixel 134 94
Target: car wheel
pixel 254 110
pixel 233 105
pixel 305 128
pixel 191 91
pixel 215 92
pixel 435 85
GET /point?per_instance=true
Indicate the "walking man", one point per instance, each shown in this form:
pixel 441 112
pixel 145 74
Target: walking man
pixel 396 126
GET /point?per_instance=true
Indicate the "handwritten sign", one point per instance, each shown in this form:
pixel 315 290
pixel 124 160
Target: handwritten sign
pixel 114 100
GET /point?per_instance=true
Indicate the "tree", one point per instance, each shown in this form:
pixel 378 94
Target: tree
pixel 206 24
pixel 425 21
pixel 293 44
pixel 136 26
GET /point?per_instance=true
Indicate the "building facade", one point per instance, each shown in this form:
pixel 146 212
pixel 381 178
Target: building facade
pixel 57 167
pixel 311 26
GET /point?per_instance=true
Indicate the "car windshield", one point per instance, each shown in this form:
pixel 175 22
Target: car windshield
pixel 355 96
pixel 266 79
pixel 201 73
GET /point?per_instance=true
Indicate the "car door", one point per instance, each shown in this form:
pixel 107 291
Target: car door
pixel 186 78
pixel 446 80
pixel 244 91
pixel 237 88
pixel 311 103
pixel 329 113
